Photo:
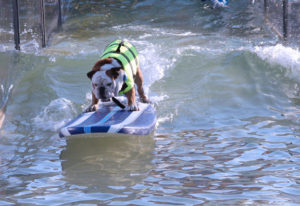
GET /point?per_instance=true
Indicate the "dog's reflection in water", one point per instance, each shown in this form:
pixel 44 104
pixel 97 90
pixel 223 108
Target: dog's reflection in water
pixel 107 161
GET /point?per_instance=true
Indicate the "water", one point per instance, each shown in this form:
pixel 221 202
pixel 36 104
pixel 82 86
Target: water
pixel 226 92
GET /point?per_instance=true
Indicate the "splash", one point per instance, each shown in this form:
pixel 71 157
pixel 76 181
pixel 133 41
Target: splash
pixel 154 63
pixel 220 3
pixel 55 115
pixel 286 57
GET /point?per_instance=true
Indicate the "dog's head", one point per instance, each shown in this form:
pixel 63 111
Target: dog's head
pixel 107 78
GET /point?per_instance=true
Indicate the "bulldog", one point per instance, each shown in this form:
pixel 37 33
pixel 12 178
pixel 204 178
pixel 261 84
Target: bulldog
pixel 116 73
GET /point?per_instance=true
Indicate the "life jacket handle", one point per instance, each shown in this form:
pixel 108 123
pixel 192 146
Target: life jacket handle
pixel 119 47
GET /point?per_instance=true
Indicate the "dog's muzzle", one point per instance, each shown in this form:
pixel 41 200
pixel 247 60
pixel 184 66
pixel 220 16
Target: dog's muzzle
pixel 102 94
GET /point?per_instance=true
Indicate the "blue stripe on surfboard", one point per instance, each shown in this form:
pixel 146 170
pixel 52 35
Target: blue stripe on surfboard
pixel 133 116
pixel 66 131
pixel 88 128
pixel 145 123
pixel 76 126
pixel 99 114
pixel 146 118
pixel 118 117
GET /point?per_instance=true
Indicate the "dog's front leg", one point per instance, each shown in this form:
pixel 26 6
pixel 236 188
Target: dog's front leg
pixel 131 100
pixel 94 105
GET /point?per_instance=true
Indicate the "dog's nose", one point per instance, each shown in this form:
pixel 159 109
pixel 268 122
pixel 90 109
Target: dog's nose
pixel 102 92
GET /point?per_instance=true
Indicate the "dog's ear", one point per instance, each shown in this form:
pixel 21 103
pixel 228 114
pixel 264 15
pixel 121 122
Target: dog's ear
pixel 90 74
pixel 100 63
pixel 115 72
pixel 98 66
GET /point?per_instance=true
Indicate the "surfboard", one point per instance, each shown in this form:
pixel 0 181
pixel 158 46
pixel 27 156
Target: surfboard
pixel 113 120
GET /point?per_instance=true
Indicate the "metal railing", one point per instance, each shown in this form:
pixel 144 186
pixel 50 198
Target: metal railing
pixel 283 16
pixel 40 17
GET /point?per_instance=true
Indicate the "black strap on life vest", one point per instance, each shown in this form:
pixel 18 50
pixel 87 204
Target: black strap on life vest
pixel 119 51
pixel 117 102
pixel 119 47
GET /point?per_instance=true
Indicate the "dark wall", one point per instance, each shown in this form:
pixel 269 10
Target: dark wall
pixel 284 18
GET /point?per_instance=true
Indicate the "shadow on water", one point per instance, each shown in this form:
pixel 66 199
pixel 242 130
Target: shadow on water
pixel 108 161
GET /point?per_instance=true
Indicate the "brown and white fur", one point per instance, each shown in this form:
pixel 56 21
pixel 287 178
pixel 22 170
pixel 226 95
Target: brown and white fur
pixel 107 77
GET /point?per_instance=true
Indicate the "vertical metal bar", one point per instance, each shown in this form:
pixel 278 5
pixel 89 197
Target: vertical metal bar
pixel 59 21
pixel 265 6
pixel 43 30
pixel 265 10
pixel 285 18
pixel 16 23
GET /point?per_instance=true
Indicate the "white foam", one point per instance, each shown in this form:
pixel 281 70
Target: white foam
pixel 153 62
pixel 10 31
pixel 163 119
pixel 156 99
pixel 281 55
pixel 55 115
pixel 52 59
pixel 30 47
pixel 88 100
pixel 219 3
pixel 150 31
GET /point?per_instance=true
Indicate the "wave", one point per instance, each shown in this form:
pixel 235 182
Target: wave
pixel 164 53
pixel 284 56
pixel 219 3
pixel 55 115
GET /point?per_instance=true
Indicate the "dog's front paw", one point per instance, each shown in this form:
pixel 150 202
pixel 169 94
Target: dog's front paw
pixel 133 107
pixel 91 108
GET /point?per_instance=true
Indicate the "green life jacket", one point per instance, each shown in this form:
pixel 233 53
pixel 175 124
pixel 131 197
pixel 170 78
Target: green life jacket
pixel 128 56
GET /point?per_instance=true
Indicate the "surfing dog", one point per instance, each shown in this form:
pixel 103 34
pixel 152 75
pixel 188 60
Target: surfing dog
pixel 116 73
